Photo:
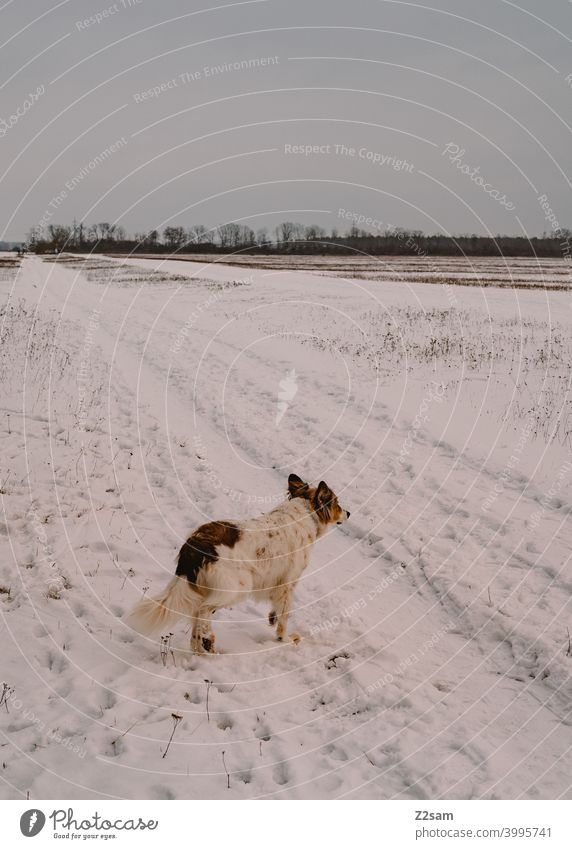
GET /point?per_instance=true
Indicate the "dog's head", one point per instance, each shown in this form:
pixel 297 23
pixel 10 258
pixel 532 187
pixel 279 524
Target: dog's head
pixel 323 500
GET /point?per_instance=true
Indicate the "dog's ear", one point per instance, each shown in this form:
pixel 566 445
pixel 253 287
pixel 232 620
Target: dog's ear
pixel 322 502
pixel 323 493
pixel 297 488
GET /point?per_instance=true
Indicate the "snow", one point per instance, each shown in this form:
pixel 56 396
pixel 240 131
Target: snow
pixel 143 397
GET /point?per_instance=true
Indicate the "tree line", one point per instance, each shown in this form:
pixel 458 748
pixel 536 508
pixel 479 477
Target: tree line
pixel 291 237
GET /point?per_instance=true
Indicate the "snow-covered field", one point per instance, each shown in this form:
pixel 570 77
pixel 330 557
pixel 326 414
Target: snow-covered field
pixel 519 272
pixel 143 397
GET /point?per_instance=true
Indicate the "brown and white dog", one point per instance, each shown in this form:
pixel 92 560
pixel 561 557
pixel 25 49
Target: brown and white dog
pixel 223 563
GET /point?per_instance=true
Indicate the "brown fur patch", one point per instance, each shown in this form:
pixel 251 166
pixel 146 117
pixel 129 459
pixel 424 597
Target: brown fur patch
pixel 201 547
pixel 218 533
pixel 297 488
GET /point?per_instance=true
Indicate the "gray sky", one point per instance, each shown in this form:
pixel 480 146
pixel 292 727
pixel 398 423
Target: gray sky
pixel 396 82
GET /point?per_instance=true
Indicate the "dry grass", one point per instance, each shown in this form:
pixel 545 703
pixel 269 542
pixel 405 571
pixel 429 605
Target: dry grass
pixel 106 272
pixel 513 272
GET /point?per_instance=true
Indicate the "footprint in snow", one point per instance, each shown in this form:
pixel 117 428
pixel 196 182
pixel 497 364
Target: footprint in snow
pixel 335 752
pixel 114 748
pixel 193 696
pixel 55 661
pixel 262 731
pixel 280 774
pixel 225 688
pixel 244 775
pixel 162 792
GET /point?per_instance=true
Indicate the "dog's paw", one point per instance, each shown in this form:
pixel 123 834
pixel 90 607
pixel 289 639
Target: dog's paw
pixel 291 638
pixel 208 645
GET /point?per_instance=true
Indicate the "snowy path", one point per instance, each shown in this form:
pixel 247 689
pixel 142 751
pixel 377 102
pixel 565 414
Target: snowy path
pixel 434 660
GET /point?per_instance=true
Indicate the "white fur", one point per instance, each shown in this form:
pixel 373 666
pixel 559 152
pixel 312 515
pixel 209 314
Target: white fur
pixel 265 563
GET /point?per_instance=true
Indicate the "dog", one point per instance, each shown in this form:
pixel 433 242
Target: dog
pixel 223 563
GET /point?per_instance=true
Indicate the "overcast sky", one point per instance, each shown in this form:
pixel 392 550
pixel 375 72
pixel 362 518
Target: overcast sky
pixel 439 115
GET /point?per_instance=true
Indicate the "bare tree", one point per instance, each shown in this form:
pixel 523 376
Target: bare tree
pixel 262 236
pixel 228 235
pixel 285 231
pixel 34 237
pixel 246 236
pixel 174 237
pixel 103 230
pixel 314 233
pixel 200 235
pixel 59 236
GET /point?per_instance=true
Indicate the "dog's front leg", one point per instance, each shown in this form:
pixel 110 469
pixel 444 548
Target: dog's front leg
pixel 282 599
pixel 202 635
pixel 196 636
pixel 207 637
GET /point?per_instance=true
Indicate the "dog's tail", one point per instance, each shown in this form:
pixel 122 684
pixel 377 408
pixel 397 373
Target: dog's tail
pixel 177 599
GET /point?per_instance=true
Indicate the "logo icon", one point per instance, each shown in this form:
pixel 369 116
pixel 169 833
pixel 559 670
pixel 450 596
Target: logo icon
pixel 286 393
pixel 32 822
